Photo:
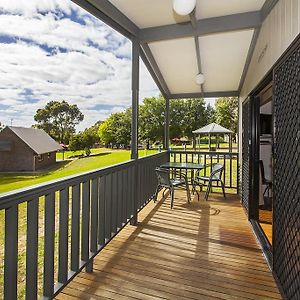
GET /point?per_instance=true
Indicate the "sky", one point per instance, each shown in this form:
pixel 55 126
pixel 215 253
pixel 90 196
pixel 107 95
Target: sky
pixel 54 50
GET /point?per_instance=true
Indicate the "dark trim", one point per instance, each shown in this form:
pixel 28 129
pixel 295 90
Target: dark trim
pixel 135 97
pixel 109 14
pixel 152 73
pixel 234 22
pixel 152 64
pixel 254 159
pixel 205 95
pixel 267 8
pixel 264 242
pixel 249 57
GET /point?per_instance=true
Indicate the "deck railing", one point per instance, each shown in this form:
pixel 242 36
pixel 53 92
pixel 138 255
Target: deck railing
pixel 228 159
pixel 78 215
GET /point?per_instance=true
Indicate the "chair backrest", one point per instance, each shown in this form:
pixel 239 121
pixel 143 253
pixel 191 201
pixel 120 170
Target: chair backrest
pixel 216 171
pixel 163 177
pixel 262 172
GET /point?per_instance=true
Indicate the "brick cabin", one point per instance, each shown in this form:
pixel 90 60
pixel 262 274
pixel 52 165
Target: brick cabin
pixel 26 149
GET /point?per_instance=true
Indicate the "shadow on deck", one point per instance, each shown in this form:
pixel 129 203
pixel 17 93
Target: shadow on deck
pixel 202 250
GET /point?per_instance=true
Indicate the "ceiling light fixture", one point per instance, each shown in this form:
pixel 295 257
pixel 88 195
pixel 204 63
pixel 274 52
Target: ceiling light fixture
pixel 184 7
pixel 200 79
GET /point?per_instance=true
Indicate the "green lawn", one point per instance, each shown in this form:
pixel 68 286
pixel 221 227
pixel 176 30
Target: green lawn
pixel 105 157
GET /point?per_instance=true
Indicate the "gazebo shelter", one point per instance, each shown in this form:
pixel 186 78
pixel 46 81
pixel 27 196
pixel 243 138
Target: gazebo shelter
pixel 216 130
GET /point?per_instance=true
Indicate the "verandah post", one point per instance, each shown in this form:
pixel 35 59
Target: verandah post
pixel 134 122
pixel 167 124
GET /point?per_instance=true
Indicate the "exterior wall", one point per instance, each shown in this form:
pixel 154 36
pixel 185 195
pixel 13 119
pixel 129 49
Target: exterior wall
pixel 44 161
pixel 20 158
pixel 278 31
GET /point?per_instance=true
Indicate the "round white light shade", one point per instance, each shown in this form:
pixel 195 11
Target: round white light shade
pixel 184 7
pixel 200 79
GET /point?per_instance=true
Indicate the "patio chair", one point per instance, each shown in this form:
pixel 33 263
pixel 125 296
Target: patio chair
pixel 215 176
pixel 168 183
pixel 264 180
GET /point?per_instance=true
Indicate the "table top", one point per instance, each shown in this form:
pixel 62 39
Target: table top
pixel 182 165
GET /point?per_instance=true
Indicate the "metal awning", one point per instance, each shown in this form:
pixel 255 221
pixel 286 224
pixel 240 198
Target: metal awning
pixel 217 39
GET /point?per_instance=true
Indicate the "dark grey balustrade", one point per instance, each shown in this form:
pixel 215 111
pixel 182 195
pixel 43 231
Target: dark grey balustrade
pixel 92 208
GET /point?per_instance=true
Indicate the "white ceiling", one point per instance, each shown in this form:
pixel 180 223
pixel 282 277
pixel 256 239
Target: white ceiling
pixel 216 8
pixel 177 62
pixel 150 13
pixel 223 57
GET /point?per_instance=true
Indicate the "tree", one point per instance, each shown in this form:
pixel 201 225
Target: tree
pixel 151 119
pixel 210 114
pixel 58 119
pixel 83 141
pixel 227 113
pixel 1 126
pixel 195 116
pixel 116 129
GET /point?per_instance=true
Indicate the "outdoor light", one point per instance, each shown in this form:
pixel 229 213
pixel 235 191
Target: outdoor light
pixel 200 78
pixel 184 7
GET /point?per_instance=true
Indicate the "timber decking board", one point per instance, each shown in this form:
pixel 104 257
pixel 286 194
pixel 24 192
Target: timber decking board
pixel 203 250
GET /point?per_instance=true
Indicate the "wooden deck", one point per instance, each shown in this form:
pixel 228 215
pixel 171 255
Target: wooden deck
pixel 204 250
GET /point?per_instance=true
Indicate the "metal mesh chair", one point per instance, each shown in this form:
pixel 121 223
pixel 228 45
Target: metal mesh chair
pixel 166 182
pixel 264 180
pixel 215 176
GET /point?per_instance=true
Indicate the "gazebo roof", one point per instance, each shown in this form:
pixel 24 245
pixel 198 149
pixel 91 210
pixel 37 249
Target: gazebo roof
pixel 212 128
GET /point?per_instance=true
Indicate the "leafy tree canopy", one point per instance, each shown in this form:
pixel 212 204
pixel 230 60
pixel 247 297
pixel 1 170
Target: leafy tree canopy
pixel 58 119
pixel 83 141
pixel 116 129
pixel 227 113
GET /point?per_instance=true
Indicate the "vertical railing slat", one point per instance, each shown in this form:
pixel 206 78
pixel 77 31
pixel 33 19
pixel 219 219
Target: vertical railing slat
pixel 94 215
pixel 126 196
pixel 75 227
pixel 101 215
pixel 114 203
pixel 49 245
pixel 119 199
pixel 63 235
pixel 11 253
pixel 85 226
pixel 108 206
pixel 32 249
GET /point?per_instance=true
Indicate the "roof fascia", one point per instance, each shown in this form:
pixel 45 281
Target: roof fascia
pixel 205 95
pixel 109 14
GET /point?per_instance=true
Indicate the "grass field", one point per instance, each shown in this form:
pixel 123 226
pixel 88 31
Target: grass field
pixel 105 157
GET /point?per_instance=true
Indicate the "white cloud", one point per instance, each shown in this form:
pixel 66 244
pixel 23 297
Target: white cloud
pixel 47 56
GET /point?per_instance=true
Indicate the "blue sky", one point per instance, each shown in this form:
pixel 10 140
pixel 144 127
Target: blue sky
pixel 54 50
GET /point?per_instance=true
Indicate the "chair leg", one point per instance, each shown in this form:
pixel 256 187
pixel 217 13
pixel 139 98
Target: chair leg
pixel 207 191
pixel 193 188
pixel 223 188
pixel 188 191
pixel 156 193
pixel 172 197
